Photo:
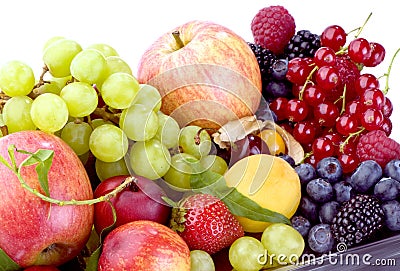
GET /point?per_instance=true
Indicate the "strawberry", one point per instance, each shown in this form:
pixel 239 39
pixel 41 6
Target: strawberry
pixel 205 223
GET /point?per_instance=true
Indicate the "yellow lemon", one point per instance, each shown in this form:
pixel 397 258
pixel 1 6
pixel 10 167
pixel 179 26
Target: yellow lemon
pixel 268 180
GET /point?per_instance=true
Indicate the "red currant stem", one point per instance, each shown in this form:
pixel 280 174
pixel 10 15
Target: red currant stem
pixel 360 29
pixel 351 135
pixel 306 156
pixel 343 98
pixel 308 80
pixel 387 74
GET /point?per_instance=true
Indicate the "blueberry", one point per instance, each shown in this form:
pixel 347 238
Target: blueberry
pixel 392 169
pixel 365 176
pixel 320 238
pixel 306 172
pixel 329 168
pixel 279 69
pixel 343 191
pixel 301 224
pixel 277 89
pixel 387 189
pixel 309 209
pixel 328 211
pixel 287 158
pixel 391 209
pixel 319 190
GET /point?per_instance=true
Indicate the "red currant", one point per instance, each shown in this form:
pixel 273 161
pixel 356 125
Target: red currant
pixel 347 124
pixel 377 55
pixel 359 50
pixel 387 108
pixel 327 77
pixel 335 138
pixel 353 107
pixel 372 98
pixel 296 110
pixel 322 147
pixel 326 114
pixel 299 69
pixel 386 126
pixel 372 119
pixel 349 162
pixel 278 106
pixel 304 132
pixel 313 95
pixel 365 81
pixel 324 56
pixel 334 37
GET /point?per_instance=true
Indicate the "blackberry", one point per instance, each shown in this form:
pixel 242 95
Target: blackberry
pixel 358 220
pixel 302 44
pixel 265 58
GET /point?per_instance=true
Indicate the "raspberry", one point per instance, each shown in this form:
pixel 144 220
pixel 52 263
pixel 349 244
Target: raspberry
pixel 272 28
pixel 375 145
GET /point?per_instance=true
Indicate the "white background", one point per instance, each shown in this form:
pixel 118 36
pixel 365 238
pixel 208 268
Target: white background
pixel 131 26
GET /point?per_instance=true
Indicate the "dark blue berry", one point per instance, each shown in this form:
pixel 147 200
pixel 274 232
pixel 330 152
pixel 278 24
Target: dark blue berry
pixel 279 69
pixel 328 211
pixel 277 89
pixel 320 238
pixel 287 158
pixel 387 189
pixel 301 224
pixel 306 172
pixel 391 209
pixel 320 190
pixel 365 176
pixel 329 168
pixel 309 209
pixel 392 169
pixel 343 191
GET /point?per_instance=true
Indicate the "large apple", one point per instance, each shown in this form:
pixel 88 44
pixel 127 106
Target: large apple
pixel 206 74
pixel 144 245
pixel 141 200
pixel 33 231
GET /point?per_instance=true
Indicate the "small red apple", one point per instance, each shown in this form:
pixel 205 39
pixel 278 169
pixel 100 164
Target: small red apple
pixel 206 74
pixel 141 200
pixel 144 245
pixel 41 268
pixel 33 231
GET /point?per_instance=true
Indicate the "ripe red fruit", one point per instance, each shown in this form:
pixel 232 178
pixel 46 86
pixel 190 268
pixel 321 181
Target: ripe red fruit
pixel 359 50
pixel 334 37
pixel 377 55
pixel 205 223
pixel 327 77
pixel 272 28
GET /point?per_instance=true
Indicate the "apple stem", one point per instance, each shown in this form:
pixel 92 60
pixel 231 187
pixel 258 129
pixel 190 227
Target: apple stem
pixel 178 39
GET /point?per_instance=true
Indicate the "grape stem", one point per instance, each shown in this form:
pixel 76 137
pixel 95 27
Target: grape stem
pixel 106 115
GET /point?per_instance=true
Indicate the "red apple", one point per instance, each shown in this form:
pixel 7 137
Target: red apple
pixel 206 74
pixel 144 245
pixel 141 200
pixel 41 268
pixel 33 231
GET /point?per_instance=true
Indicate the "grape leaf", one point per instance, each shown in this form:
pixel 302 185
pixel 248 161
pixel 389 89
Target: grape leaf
pixel 6 263
pixel 240 205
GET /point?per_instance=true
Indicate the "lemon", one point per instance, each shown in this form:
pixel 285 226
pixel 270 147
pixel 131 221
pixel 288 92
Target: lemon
pixel 269 181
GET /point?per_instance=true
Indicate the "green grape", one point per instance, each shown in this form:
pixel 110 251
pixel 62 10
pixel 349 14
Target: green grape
pixel 105 49
pixel 214 163
pixel 119 90
pixel 97 122
pixel 149 159
pixel 108 143
pixel 201 261
pixel 188 141
pixel 105 170
pixel 168 130
pixel 61 81
pixel 284 242
pixel 17 114
pixel 76 135
pixel 51 41
pixel 117 64
pixel 58 56
pixel 51 87
pixel 247 254
pixel 81 99
pixel 49 112
pixel 139 122
pixel 84 157
pixel 148 96
pixel 180 171
pixel 16 78
pixel 89 66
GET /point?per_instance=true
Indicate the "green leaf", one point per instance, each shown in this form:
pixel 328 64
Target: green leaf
pixel 43 159
pixel 6 263
pixel 240 205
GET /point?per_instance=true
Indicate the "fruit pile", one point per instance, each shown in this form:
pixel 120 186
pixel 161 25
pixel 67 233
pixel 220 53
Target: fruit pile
pixel 178 168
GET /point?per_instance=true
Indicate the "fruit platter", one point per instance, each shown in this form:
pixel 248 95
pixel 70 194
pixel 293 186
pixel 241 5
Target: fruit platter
pixel 217 149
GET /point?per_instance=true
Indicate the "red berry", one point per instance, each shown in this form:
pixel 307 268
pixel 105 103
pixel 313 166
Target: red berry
pixel 372 98
pixel 353 107
pixel 386 126
pixel 347 124
pixel 324 56
pixel 349 162
pixel 326 114
pixel 313 95
pixel 387 108
pixel 365 81
pixel 296 110
pixel 334 37
pixel 377 55
pixel 298 70
pixel 371 119
pixel 304 132
pixel 359 50
pixel 278 106
pixel 322 147
pixel 327 77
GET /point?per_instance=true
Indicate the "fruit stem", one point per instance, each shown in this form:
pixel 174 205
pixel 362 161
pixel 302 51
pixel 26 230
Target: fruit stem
pixel 178 39
pixel 351 135
pixel 387 74
pixel 106 115
pixel 197 139
pixel 308 80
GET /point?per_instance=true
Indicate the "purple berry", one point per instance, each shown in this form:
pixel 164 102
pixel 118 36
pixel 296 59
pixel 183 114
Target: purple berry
pixel 320 238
